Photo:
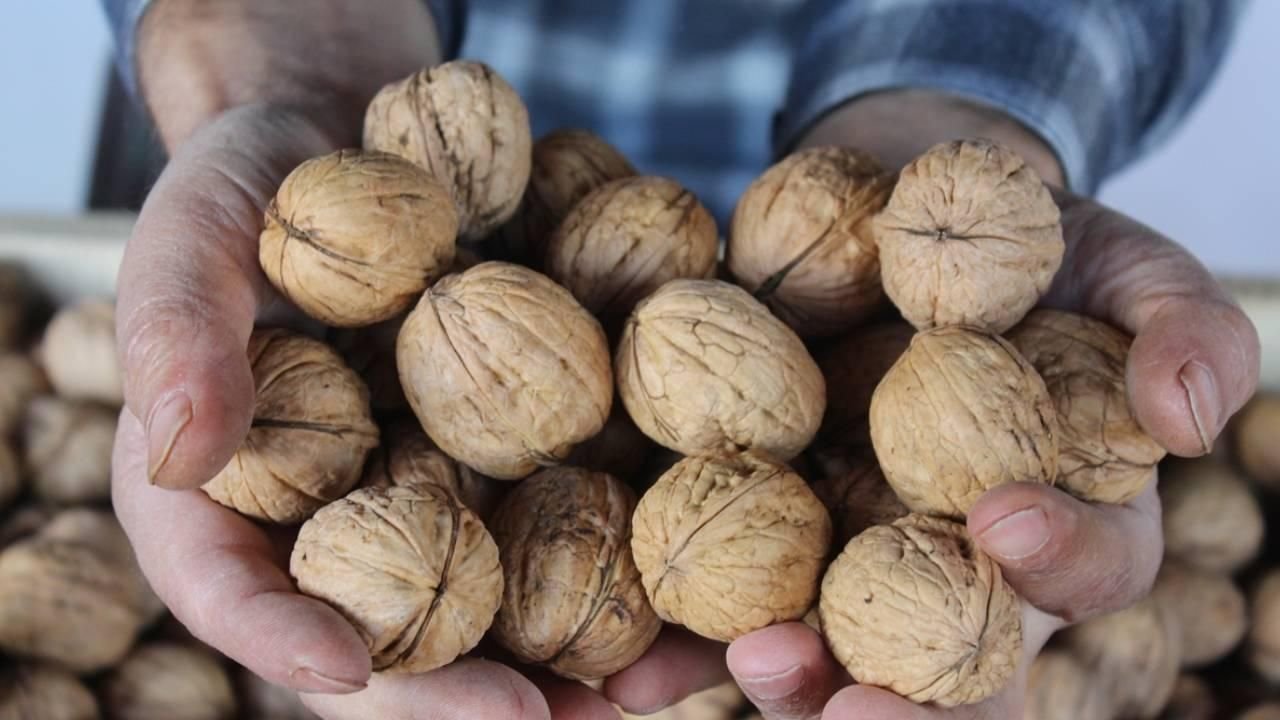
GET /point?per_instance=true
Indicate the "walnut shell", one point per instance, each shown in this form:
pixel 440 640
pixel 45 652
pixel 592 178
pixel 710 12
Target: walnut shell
pixel 1264 627
pixel 1133 653
pixel 170 682
pixel 353 238
pixel 858 499
pixel 78 353
pixel 1104 455
pixel 21 380
pixel 468 128
pixel 408 456
pixel 802 240
pixel 413 570
pixel 852 368
pixel 962 412
pixel 99 531
pixel 504 369
pixel 68 449
pixel 704 368
pixel 619 449
pixel 310 434
pixel 1211 519
pixel 970 237
pixel 573 526
pixel 1208 607
pixel 1255 432
pixel 722 702
pixel 261 700
pixel 916 608
pixel 1059 687
pixel 728 546
pixel 30 691
pixel 1192 699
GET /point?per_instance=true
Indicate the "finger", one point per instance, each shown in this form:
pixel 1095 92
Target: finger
pixel 786 671
pixel 678 665
pixel 216 571
pixel 569 700
pixel 1067 557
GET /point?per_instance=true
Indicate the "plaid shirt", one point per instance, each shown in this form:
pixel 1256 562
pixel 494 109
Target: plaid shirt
pixel 709 91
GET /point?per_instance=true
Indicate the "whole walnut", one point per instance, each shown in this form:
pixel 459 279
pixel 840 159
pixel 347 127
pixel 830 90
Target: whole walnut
pixel 20 381
pixel 619 449
pixel 970 237
pixel 261 700
pixel 165 681
pixel 408 456
pixel 78 353
pixel 1208 607
pixel 853 367
pixel 11 481
pixel 1264 627
pixel 722 702
pixel 413 570
pixel 353 238
pixel 468 128
pixel 504 369
pixel 573 601
pixel 1192 699
pixel 962 412
pixel 99 531
pixel 858 499
pixel 1265 711
pixel 310 434
pixel 15 304
pixel 728 546
pixel 1104 455
pixel 1059 687
pixel 916 608
pixel 31 691
pixel 68 449
pixel 802 240
pixel 1255 432
pixel 1211 519
pixel 704 368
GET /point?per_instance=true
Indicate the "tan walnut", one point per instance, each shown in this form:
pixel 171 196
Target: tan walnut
pixel 1208 607
pixel 729 546
pixel 413 570
pixel 858 498
pixel 703 367
pixel 1135 655
pixel 21 380
pixel 573 601
pixel 962 412
pixel 407 456
pixel 468 128
pixel 802 239
pixel 1254 434
pixel 68 449
pixel 916 608
pixel 504 369
pixel 99 531
pixel 32 690
pixel 1263 654
pixel 78 353
pixel 1060 687
pixel 310 434
pixel 171 681
pixel 853 367
pixel 353 238
pixel 970 237
pixel 1211 519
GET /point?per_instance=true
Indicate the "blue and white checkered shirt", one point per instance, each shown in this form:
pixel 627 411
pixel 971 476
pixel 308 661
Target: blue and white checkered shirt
pixel 707 91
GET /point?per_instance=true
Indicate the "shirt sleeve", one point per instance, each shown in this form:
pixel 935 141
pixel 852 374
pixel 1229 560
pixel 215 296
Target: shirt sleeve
pixel 1100 81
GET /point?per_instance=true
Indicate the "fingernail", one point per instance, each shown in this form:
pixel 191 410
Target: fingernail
pixel 168 419
pixel 305 679
pixel 1202 396
pixel 1017 535
pixel 774 687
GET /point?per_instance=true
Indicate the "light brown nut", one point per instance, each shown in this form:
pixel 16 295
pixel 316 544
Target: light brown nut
pixel 1263 653
pixel 802 239
pixel 504 369
pixel 310 434
pixel 916 608
pixel 573 601
pixel 1211 519
pixel 1192 699
pixel 970 237
pixel 353 238
pixel 853 367
pixel 1059 687
pixel 1104 455
pixel 962 412
pixel 174 682
pixel 413 570
pixel 31 690
pixel 78 353
pixel 703 368
pixel 1255 431
pixel 468 128
pixel 21 380
pixel 1133 653
pixel 68 449
pixel 408 456
pixel 261 700
pixel 99 531
pixel 1208 607
pixel 619 449
pixel 722 702
pixel 728 546
pixel 857 499
pixel 1265 711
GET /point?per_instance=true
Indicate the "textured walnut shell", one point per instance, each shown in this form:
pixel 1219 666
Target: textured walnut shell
pixel 970 237
pixel 619 449
pixel 916 608
pixel 704 368
pixel 68 449
pixel 78 353
pixel 628 238
pixel 573 601
pixel 962 412
pixel 729 546
pixel 261 700
pixel 1192 699
pixel 1255 432
pixel 174 682
pixel 722 702
pixel 468 128
pixel 1059 687
pixel 1104 455
pixel 32 691
pixel 354 238
pixel 852 368
pixel 408 456
pixel 857 499
pixel 310 434
pixel 413 570
pixel 1211 519
pixel 1208 607
pixel 1134 655
pixel 21 380
pixel 504 369
pixel 1264 627
pixel 802 239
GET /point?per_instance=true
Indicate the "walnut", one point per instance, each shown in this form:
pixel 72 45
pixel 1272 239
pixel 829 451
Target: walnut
pixel 619 449
pixel 703 368
pixel 78 353
pixel 802 240
pixel 468 127
pixel 916 608
pixel 573 526
pixel 15 306
pixel 729 546
pixel 1134 654
pixel 1208 607
pixel 68 449
pixel 408 456
pixel 1264 627
pixel 1211 519
pixel 962 412
pixel 310 434
pixel 174 682
pixel 261 700
pixel 353 238
pixel 1059 687
pixel 99 531
pixel 1192 699
pixel 858 499
pixel 1265 711
pixel 20 381
pixel 29 691
pixel 504 369
pixel 853 367
pixel 970 237
pixel 413 570
pixel 722 702
pixel 1254 434
pixel 628 238
pixel 1104 455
